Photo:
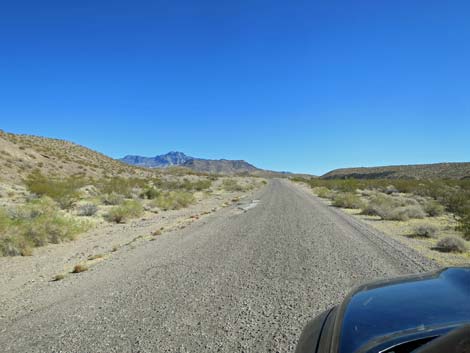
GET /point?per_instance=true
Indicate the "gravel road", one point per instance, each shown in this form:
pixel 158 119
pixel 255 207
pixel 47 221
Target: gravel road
pixel 245 279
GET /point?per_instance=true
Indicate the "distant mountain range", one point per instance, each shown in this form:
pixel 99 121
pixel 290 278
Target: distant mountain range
pixel 415 171
pixel 219 166
pixel 162 161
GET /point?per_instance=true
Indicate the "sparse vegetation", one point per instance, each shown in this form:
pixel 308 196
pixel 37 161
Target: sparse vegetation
pixel 65 182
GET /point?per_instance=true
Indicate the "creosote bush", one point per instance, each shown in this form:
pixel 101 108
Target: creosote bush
pixel 451 244
pixel 174 200
pixel 323 192
pixel 232 185
pixel 426 231
pixel 464 227
pixel 347 200
pixel 128 209
pixel 63 191
pixel 112 199
pixel 35 224
pixel 396 208
pixel 87 210
pixel 150 193
pixel 433 208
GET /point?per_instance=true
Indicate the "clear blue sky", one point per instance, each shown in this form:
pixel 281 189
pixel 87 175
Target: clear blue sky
pixel 305 86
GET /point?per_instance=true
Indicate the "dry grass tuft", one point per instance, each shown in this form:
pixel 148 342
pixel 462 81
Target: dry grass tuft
pixel 59 277
pixel 95 257
pixel 80 268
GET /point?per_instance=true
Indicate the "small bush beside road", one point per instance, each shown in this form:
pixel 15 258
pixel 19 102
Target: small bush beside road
pixel 451 244
pixel 35 224
pixel 174 200
pixel 128 209
pixel 347 200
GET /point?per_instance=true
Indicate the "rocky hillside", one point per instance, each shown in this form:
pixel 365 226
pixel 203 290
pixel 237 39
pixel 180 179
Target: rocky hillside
pixel 21 154
pixel 417 171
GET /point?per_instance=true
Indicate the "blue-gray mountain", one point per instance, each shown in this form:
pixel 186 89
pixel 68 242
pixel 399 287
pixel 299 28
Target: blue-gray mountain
pixel 162 161
pixel 219 166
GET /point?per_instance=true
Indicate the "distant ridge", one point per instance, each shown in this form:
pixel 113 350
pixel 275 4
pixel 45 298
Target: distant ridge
pixel 215 166
pixel 414 171
pixel 165 160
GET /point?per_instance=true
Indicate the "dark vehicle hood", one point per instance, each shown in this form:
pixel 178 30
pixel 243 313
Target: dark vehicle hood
pixel 430 303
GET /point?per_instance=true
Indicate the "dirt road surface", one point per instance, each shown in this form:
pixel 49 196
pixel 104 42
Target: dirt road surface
pixel 245 279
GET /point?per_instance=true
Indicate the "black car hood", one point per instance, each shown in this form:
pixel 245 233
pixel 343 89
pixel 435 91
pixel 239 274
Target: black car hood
pixel 427 304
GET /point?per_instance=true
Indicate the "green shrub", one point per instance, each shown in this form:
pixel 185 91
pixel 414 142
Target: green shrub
pixel 64 192
pixel 5 221
pixel 120 186
pixel 202 185
pixel 112 199
pixel 347 200
pixel 174 200
pixel 150 193
pixel 128 209
pixel 323 192
pixel 451 244
pixel 35 224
